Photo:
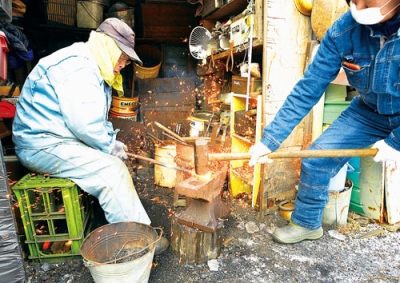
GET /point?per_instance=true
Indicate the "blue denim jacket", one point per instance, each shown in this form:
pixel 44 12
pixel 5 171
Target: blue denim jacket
pixel 378 80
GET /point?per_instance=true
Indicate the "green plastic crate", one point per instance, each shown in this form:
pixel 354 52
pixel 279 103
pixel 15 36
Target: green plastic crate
pixel 56 215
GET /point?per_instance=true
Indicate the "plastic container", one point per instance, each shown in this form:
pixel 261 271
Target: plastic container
pixel 89 14
pixel 163 176
pixel 120 241
pixel 337 183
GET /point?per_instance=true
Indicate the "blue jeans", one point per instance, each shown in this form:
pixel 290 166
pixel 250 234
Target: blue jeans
pixel 358 126
pixel 102 175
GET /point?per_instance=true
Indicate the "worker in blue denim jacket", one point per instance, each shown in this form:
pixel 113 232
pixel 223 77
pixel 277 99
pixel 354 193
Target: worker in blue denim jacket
pixel 365 42
pixel 61 125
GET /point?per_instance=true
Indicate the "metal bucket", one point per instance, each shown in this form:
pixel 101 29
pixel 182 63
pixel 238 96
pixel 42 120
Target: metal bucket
pixel 163 176
pixel 106 242
pixel 131 114
pixel 105 3
pixel 337 209
pixel 198 120
pixel 89 14
pixel 128 16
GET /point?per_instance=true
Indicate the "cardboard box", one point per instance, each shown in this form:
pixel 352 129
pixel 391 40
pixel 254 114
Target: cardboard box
pixel 239 85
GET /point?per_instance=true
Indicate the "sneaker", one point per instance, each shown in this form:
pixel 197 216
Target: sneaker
pixel 293 233
pixel 161 246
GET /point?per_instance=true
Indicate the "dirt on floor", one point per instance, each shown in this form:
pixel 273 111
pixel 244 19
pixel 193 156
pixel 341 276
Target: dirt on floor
pixel 359 252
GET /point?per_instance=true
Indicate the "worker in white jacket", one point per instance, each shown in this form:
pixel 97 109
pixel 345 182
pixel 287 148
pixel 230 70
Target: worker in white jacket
pixel 61 125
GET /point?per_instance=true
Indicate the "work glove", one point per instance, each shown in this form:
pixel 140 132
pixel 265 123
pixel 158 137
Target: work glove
pixel 385 152
pixel 259 154
pixel 119 150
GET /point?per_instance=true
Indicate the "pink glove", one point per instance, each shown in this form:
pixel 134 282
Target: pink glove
pixel 259 154
pixel 385 152
pixel 119 150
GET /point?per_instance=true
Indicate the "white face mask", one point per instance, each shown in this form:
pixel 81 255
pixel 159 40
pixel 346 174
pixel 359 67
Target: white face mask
pixel 369 16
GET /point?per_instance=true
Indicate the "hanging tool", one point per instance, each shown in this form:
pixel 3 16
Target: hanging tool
pixel 230 57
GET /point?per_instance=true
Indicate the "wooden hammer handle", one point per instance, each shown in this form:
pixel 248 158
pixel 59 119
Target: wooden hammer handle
pixel 296 154
pixel 168 131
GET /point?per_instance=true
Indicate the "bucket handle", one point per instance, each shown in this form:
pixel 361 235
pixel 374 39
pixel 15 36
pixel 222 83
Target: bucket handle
pixel 87 263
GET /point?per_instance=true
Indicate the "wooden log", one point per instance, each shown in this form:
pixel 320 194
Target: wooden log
pixel 192 245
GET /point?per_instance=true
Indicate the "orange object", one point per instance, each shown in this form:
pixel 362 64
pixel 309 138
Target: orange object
pixel 352 66
pixel 46 245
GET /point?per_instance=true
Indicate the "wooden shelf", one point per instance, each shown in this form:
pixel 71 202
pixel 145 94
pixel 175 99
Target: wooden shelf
pixel 240 50
pixel 168 40
pixel 232 8
pixel 86 31
pixel 66 28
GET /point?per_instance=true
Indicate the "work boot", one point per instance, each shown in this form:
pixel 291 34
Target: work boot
pixel 292 233
pixel 161 246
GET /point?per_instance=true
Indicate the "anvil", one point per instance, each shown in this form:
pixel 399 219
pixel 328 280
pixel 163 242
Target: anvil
pixel 206 205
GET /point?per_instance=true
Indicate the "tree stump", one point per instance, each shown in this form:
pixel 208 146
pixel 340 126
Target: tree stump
pixel 192 245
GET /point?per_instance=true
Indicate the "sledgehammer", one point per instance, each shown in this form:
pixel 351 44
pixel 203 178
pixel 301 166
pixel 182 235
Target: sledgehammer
pixel 202 156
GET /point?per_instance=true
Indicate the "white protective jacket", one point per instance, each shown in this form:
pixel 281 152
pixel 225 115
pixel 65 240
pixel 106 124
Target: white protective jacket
pixel 64 99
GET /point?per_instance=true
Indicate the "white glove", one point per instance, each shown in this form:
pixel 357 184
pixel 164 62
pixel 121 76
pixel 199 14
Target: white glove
pixel 385 152
pixel 259 154
pixel 119 150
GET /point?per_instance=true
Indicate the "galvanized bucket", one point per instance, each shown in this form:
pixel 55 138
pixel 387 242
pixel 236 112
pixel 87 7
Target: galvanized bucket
pixel 120 252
